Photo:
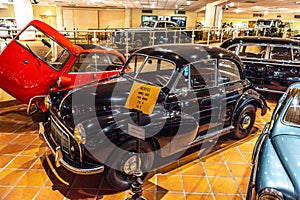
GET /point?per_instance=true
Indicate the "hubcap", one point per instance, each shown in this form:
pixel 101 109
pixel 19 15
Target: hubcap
pixel 130 165
pixel 246 121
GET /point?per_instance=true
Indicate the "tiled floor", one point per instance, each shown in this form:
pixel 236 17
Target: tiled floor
pixel 24 173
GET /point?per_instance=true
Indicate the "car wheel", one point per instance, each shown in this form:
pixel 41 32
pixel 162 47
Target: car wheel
pixel 245 121
pixel 123 163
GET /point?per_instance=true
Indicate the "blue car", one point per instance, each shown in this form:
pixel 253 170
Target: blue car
pixel 276 155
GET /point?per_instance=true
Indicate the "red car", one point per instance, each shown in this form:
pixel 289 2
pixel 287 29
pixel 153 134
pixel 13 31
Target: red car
pixel 39 57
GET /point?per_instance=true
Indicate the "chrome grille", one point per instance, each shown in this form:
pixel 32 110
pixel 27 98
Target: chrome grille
pixel 60 136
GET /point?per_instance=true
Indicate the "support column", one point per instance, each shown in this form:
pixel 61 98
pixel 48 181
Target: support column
pixel 213 15
pixel 59 18
pixel 128 17
pixel 23 12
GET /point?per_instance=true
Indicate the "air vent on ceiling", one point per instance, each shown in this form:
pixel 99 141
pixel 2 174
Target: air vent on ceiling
pixel 251 1
pixel 146 11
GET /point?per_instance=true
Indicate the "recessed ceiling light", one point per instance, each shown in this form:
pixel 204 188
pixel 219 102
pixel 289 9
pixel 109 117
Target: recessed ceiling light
pixel 298 2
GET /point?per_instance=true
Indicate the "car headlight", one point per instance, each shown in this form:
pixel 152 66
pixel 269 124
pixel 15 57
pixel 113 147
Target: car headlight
pixel 47 102
pixel 270 194
pixel 79 134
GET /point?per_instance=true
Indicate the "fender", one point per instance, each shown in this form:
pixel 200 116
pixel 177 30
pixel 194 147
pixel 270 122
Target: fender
pixel 251 96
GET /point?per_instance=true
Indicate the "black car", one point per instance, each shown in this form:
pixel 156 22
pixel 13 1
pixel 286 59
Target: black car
pixel 175 97
pixel 271 64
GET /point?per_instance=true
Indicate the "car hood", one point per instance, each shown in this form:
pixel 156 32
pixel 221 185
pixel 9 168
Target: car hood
pixel 288 151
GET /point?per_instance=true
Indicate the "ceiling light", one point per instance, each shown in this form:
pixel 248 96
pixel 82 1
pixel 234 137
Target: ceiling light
pixel 298 2
pixel 238 10
pixel 188 3
pixel 231 4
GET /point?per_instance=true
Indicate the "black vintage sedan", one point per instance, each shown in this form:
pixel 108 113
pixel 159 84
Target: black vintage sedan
pixel 174 97
pixel 271 64
pixel 276 156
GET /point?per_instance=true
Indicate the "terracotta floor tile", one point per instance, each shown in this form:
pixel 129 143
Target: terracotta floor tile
pixel 49 193
pixel 193 168
pixel 246 147
pixel 22 162
pixel 195 184
pixel 240 170
pixel 4 190
pixel 13 149
pixel 7 137
pixel 223 185
pixel 216 169
pixel 84 193
pixel 22 193
pixel 233 157
pixel 24 139
pixel 38 164
pixel 117 196
pixel 169 195
pixel 228 197
pixel 170 183
pixel 10 177
pixel 242 184
pixel 199 197
pixel 215 158
pixel 4 160
pixel 248 157
pixel 33 178
pixel 32 150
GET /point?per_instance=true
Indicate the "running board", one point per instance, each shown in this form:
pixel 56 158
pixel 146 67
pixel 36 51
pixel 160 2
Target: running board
pixel 212 135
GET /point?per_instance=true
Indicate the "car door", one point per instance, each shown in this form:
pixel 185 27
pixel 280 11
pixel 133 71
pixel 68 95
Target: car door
pixel 199 96
pixel 30 63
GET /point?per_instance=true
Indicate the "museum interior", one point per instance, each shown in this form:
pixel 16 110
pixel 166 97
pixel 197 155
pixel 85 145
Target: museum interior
pixel 207 105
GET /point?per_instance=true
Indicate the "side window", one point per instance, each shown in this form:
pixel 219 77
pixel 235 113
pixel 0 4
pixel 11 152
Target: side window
pixel 228 71
pixel 253 51
pixel 44 47
pixel 281 53
pixel 296 54
pixel 161 25
pixel 233 48
pixel 202 74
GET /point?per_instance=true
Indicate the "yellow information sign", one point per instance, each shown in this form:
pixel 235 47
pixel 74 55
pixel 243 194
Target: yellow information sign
pixel 142 97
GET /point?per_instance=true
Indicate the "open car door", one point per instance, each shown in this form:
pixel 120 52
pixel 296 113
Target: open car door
pixel 32 62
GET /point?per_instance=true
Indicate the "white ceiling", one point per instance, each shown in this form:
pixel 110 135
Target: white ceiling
pixel 272 6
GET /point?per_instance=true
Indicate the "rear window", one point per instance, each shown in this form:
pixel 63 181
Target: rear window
pixel 43 47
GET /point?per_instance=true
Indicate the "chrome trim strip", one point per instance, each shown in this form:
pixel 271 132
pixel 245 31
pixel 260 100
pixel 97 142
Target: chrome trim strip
pixel 75 170
pixel 269 90
pixel 30 102
pixel 262 61
pixel 63 128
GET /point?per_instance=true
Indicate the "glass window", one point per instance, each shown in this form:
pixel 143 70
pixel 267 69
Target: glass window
pixel 201 74
pixel 228 71
pixel 43 47
pixel 96 62
pixel 151 69
pixel 253 51
pixel 281 53
pixel 292 114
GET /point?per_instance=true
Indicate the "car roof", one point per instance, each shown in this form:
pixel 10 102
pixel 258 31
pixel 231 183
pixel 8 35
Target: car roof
pixel 261 40
pixel 183 54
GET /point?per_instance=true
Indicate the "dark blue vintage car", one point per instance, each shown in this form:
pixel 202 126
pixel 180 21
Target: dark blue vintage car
pixel 276 155
pixel 175 97
pixel 271 64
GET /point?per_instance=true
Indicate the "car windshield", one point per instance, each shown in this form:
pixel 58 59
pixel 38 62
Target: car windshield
pixel 148 24
pixel 43 47
pixel 96 62
pixel 292 114
pixel 150 69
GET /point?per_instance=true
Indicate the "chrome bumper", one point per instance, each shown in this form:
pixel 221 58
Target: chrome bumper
pixel 59 160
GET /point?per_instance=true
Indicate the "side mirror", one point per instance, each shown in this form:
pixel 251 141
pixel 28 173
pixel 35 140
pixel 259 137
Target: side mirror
pixel 63 81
